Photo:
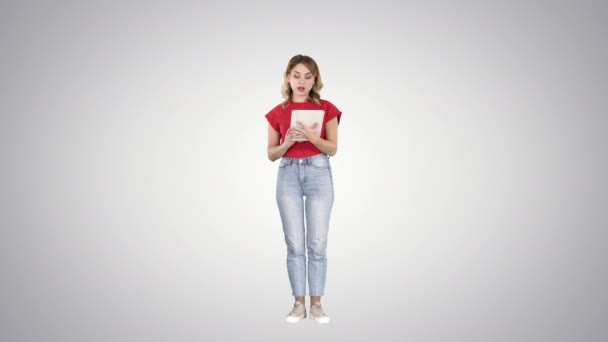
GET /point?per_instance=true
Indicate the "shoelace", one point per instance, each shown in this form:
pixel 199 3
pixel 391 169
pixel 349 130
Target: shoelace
pixel 297 310
pixel 316 310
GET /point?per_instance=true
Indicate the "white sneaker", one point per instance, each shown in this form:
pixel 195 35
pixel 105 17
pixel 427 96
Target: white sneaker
pixel 297 313
pixel 316 313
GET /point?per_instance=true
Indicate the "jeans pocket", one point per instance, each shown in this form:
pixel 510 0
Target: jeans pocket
pixel 320 163
pixel 284 162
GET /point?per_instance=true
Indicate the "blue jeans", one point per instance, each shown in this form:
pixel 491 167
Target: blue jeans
pixel 305 189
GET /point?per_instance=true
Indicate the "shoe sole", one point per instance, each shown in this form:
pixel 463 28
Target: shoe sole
pixel 321 320
pixel 294 319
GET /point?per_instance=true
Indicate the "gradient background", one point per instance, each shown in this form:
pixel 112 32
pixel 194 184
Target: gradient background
pixel 137 201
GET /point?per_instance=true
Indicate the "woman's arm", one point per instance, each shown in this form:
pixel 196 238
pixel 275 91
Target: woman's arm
pixel 275 149
pixel 329 145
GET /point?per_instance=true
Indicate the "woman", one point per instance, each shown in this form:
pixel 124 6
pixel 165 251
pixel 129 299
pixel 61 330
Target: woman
pixel 304 181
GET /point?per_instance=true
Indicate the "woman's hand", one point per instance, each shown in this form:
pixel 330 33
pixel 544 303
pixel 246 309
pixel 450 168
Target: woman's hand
pixel 289 136
pixel 303 132
pixel 277 147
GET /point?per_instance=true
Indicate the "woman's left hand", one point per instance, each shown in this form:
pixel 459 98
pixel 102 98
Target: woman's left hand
pixel 303 132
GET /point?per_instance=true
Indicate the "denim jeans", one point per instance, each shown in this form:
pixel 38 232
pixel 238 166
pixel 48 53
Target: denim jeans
pixel 305 189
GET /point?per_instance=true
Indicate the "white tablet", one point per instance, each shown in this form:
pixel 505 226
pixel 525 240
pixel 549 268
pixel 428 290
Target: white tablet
pixel 308 118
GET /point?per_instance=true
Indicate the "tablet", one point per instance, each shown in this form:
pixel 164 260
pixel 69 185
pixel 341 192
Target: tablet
pixel 308 118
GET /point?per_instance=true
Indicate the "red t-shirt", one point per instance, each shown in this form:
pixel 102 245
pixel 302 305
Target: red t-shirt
pixel 280 119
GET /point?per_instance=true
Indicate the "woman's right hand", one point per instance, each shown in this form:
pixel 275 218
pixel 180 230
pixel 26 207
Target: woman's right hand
pixel 288 141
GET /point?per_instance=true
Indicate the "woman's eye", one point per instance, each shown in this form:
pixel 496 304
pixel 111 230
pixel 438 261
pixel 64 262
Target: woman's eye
pixel 309 77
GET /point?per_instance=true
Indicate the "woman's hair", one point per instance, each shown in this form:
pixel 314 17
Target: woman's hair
pixel 315 92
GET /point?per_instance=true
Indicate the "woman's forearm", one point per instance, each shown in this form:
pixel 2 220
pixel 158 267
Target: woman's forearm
pixel 278 151
pixel 326 146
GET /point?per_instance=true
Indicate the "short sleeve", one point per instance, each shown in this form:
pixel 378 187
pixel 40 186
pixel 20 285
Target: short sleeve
pixel 273 120
pixel 333 112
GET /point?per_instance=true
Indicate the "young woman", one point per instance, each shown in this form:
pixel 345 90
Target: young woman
pixel 304 191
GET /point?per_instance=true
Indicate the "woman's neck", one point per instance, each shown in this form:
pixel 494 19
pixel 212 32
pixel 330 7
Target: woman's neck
pixel 299 99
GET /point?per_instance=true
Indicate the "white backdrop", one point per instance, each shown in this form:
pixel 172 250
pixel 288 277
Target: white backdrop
pixel 138 203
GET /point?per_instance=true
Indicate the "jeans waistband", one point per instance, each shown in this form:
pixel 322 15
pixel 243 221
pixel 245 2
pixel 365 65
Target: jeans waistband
pixel 304 161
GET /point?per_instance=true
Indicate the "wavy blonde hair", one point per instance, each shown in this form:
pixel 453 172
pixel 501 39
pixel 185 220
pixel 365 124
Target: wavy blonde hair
pixel 315 92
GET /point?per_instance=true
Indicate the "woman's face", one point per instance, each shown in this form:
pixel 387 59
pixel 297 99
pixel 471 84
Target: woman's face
pixel 301 81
